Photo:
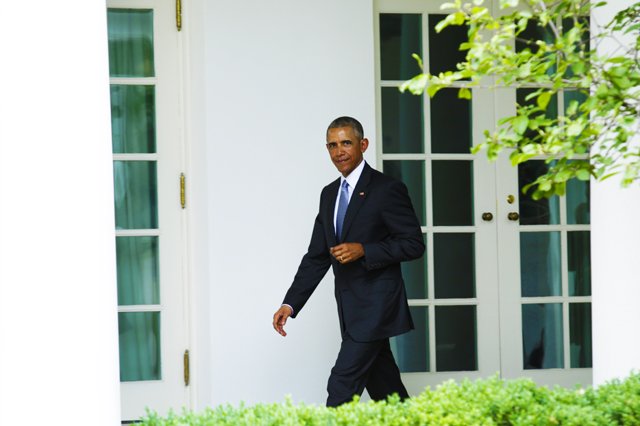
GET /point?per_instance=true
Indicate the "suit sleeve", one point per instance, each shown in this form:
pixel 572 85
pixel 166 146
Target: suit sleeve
pixel 405 241
pixel 313 267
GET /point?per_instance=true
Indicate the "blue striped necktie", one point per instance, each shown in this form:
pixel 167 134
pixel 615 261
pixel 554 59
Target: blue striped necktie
pixel 343 202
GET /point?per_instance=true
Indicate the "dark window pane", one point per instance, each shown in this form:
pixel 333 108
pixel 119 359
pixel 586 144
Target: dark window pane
pixel 580 335
pixel 542 336
pixel 400 37
pixel 452 192
pixel 133 119
pixel 450 123
pixel 138 270
pixel 412 174
pixel 139 346
pixel 540 266
pixel 454 265
pixel 545 211
pixel 415 277
pixel 578 202
pixel 456 340
pixel 579 259
pixel 136 194
pixel 444 47
pixel 411 350
pixel 401 122
pixel 130 42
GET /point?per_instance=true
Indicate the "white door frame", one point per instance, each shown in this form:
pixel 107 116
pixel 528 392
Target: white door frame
pixel 170 392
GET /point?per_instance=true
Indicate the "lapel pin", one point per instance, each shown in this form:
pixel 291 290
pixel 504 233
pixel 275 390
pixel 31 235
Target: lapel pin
pixel 362 194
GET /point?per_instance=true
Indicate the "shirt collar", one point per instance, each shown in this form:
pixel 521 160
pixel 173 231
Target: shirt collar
pixel 354 176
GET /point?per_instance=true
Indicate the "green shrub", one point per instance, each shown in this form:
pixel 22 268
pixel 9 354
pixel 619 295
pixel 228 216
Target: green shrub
pixel 484 402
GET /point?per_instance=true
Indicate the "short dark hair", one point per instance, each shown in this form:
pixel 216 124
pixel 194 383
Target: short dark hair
pixel 345 121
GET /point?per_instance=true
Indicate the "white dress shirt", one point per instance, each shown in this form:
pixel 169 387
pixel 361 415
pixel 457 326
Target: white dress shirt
pixel 352 180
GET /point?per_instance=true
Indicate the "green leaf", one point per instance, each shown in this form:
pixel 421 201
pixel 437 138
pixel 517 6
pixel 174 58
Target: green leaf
pixel 508 3
pixel 524 70
pixel 520 124
pixel 459 18
pixel 560 189
pixel 607 176
pixel 416 85
pixel 418 59
pixel 464 93
pixel 575 128
pixel 602 91
pixel 544 185
pixel 572 108
pixel 518 158
pixel 562 175
pixel 583 174
pixel 432 89
pixel 578 68
pixel 543 100
pixel 618 71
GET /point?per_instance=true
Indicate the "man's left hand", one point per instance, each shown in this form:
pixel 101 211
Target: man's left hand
pixel 347 252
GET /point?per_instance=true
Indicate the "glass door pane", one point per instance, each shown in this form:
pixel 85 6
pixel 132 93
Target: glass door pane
pixel 133 118
pixel 131 52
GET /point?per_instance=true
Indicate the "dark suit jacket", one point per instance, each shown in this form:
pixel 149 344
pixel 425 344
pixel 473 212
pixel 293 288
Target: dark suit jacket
pixel 372 302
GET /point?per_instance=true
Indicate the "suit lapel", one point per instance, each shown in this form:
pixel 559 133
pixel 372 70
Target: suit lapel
pixel 330 210
pixel 357 199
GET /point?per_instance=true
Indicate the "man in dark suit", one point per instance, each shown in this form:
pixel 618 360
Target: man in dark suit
pixel 365 227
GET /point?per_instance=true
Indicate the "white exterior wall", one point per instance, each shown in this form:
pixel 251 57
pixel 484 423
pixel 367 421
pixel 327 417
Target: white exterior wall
pixel 58 307
pixel 275 76
pixel 615 237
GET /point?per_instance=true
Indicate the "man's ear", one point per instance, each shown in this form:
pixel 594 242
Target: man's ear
pixel 364 144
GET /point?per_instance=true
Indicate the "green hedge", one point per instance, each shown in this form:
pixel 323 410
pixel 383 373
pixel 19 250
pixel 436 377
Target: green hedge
pixel 483 402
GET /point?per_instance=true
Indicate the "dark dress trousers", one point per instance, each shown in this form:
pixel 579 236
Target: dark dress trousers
pixel 370 293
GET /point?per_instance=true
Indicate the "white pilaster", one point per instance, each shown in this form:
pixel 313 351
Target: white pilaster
pixel 615 244
pixel 58 308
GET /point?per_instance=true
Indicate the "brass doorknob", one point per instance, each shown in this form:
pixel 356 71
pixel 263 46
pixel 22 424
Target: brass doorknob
pixel 513 216
pixel 487 217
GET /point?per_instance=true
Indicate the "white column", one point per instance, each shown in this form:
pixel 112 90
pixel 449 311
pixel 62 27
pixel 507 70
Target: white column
pixel 615 244
pixel 58 307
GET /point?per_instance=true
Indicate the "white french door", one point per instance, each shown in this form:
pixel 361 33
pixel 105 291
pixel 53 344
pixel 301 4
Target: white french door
pixel 544 264
pixel 148 156
pixel 504 283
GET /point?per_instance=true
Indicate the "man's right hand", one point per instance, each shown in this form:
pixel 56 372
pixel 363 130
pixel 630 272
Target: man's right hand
pixel 280 319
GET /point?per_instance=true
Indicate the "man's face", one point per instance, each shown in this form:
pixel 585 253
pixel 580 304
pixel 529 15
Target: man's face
pixel 345 149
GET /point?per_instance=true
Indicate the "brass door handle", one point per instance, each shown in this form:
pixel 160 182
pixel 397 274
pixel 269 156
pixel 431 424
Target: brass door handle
pixel 513 216
pixel 487 217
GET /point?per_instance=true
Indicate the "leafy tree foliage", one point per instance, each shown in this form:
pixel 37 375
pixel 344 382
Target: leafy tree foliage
pixel 592 137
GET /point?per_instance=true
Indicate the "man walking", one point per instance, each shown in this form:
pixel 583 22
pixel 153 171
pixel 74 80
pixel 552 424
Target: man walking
pixel 365 227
